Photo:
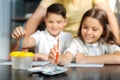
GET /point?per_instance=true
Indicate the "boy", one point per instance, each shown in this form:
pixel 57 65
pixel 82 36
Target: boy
pixel 55 21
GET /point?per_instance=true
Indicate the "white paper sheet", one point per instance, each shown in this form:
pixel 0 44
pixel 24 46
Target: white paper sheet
pixel 83 65
pixel 40 63
pixel 37 63
pixel 34 63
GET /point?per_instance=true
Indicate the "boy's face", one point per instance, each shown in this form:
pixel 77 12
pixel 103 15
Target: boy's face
pixel 91 30
pixel 55 23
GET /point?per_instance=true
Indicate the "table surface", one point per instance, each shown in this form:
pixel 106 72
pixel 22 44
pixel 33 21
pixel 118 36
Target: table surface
pixel 108 72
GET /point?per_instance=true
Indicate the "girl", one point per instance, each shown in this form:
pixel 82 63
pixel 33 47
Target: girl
pixel 95 42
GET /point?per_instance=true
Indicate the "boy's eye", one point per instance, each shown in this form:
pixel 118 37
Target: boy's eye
pixel 59 22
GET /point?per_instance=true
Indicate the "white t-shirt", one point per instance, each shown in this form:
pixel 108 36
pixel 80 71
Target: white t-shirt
pixel 95 49
pixel 45 41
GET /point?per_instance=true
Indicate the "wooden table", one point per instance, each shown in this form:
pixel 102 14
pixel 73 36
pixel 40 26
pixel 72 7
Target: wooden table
pixel 108 72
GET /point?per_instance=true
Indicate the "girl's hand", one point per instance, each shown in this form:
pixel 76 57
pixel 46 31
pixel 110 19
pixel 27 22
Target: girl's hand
pixel 80 58
pixel 18 32
pixel 52 55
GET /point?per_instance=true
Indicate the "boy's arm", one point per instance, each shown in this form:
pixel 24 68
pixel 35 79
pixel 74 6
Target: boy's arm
pixel 113 58
pixel 28 42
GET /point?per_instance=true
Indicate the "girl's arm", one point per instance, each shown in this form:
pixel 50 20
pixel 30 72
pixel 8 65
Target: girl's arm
pixel 112 19
pixel 102 59
pixel 66 58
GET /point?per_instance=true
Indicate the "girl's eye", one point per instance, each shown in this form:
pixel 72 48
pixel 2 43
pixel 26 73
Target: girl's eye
pixel 85 27
pixel 95 29
pixel 50 21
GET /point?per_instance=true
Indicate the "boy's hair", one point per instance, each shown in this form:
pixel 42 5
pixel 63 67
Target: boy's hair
pixel 57 8
pixel 102 17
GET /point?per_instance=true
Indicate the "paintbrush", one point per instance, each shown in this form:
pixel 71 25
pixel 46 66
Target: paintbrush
pixel 56 60
pixel 21 39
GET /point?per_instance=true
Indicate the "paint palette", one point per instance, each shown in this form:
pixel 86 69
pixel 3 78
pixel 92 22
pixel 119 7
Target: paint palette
pixel 49 69
pixel 54 70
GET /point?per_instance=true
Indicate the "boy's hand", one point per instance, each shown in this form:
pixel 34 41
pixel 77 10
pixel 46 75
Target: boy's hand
pixel 52 55
pixel 18 32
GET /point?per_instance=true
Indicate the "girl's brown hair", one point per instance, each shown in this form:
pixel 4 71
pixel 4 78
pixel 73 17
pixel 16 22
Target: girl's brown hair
pixel 102 17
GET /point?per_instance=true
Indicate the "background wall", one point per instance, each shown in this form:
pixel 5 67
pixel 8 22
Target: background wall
pixel 9 10
pixel 115 6
pixel 5 16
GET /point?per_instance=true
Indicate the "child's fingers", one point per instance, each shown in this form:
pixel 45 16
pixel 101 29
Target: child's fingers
pixel 51 56
pixel 52 53
pixel 57 50
pixel 22 31
pixel 18 32
pixel 15 35
pixel 35 58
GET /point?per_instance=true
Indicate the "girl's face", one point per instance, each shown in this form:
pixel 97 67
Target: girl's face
pixel 55 23
pixel 91 30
